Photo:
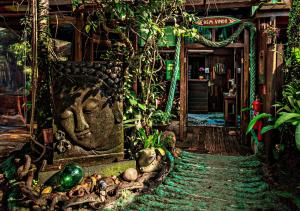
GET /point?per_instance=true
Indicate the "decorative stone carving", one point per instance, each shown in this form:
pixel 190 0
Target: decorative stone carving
pixel 88 110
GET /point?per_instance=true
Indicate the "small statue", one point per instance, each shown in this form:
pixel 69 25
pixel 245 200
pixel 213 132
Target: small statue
pixel 149 160
pixel 232 90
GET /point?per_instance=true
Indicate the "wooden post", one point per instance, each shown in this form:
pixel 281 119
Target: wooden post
pixel 90 47
pixel 34 62
pixel 78 38
pixel 183 90
pixel 245 86
pixel 214 35
pixel 270 86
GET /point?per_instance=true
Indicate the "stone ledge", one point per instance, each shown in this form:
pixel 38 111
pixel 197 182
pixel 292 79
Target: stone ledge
pixel 104 170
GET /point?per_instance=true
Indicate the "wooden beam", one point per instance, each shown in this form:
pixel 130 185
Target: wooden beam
pixel 262 47
pixel 78 38
pixel 215 5
pixel 265 14
pixel 25 2
pixel 90 50
pixel 183 94
pixel 198 45
pixel 62 20
pixel 214 34
pixel 245 85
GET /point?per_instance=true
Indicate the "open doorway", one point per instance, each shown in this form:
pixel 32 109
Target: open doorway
pixel 214 86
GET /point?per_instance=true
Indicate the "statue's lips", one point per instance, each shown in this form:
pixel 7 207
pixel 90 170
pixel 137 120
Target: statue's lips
pixel 83 134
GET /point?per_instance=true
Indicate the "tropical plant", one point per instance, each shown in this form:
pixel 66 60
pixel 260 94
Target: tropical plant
pixel 152 140
pixel 288 112
pixel 160 117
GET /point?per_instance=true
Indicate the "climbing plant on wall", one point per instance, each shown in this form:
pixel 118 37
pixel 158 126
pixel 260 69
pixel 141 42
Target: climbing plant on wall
pixel 293 48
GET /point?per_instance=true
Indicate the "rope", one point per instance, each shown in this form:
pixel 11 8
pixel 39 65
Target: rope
pixel 252 64
pixel 174 77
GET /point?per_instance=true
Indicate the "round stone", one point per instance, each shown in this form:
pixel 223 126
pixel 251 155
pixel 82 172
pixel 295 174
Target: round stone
pixel 130 174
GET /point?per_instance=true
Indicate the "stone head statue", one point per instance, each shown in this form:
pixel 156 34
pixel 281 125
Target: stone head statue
pixel 88 107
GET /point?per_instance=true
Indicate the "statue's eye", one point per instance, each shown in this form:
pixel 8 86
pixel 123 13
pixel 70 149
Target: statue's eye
pixel 66 114
pixel 90 106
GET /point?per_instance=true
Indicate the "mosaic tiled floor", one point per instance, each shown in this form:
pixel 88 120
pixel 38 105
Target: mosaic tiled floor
pixel 206 119
pixel 210 119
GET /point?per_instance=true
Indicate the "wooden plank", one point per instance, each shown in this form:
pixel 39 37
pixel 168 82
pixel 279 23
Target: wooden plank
pixel 78 39
pixel 90 50
pixel 262 54
pixel 51 2
pixel 198 45
pixel 219 5
pixel 183 94
pixel 245 85
pixel 213 34
pixel 62 20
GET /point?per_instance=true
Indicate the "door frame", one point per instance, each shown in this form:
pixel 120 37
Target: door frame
pixel 244 94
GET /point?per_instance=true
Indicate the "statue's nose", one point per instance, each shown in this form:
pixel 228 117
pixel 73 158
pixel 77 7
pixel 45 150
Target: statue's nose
pixel 81 124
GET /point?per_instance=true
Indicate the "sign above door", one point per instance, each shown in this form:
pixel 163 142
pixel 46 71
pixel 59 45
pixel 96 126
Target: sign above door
pixel 216 21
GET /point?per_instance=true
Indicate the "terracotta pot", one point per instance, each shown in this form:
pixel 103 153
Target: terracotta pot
pixel 48 135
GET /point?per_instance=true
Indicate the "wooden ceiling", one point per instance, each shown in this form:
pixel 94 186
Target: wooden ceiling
pixel 220 3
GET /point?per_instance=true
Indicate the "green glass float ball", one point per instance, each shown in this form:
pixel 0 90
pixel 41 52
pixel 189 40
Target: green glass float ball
pixel 70 177
pixel 65 179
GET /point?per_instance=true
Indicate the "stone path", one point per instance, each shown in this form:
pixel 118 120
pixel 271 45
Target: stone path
pixel 211 182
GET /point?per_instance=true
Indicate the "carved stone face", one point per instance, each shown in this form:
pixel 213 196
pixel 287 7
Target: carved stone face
pixel 86 117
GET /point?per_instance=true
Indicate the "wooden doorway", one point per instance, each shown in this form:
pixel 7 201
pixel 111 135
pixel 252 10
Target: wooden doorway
pixel 238 54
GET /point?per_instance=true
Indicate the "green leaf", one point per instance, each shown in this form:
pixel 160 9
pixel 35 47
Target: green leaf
pixel 133 102
pixel 291 100
pixel 255 119
pixel 298 103
pixel 87 28
pixel 267 129
pixel 142 106
pixel 286 117
pixel 127 126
